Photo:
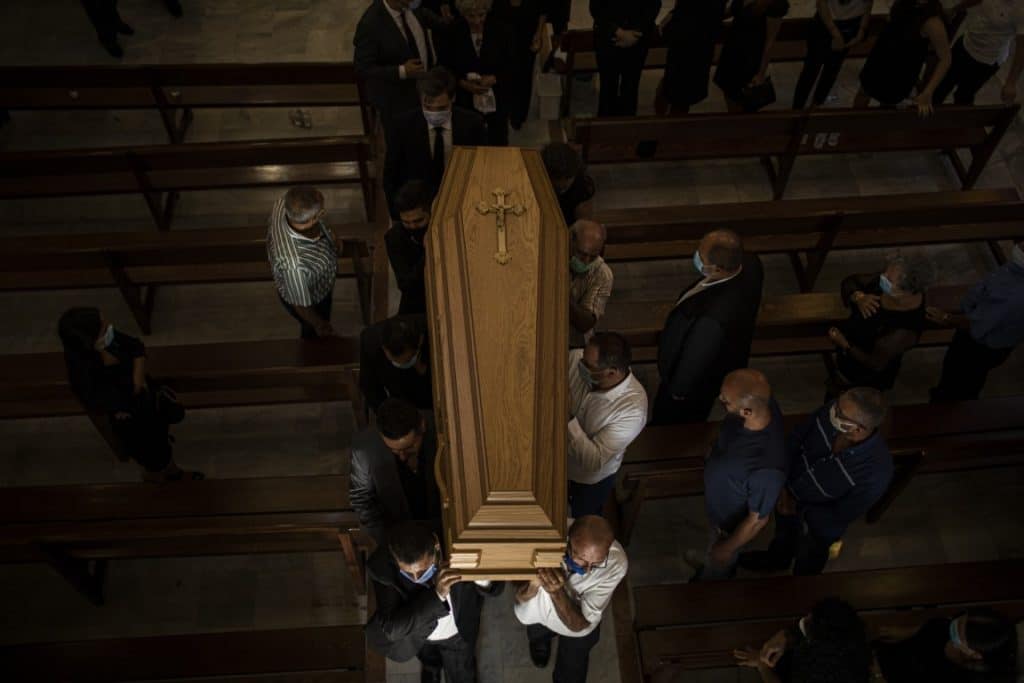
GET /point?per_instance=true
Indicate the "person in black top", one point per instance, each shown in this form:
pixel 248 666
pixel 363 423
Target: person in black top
pixel 690 30
pixel 107 373
pixel 394 361
pixel 840 467
pixel 978 646
pixel 477 51
pixel 745 53
pixel 526 20
pixel 574 187
pixel 392 470
pixel 420 142
pixel 709 332
pixel 887 315
pixel 424 608
pixel 622 34
pixel 405 245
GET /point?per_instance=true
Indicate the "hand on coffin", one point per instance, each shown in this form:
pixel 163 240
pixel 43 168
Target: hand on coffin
pixel 551 578
pixel 446 578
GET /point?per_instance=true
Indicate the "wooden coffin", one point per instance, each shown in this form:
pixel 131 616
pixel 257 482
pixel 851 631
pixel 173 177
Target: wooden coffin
pixel 499 338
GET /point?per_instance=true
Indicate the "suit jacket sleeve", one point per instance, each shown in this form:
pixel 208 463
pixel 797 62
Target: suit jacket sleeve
pixel 366 57
pixel 393 162
pixel 600 10
pixel 699 351
pixel 408 268
pixel 362 494
pixel 369 381
pixel 399 619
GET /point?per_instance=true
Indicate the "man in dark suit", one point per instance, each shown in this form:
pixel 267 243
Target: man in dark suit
pixel 392 50
pixel 405 244
pixel 392 473
pixel 424 609
pixel 420 142
pixel 708 333
pixel 394 362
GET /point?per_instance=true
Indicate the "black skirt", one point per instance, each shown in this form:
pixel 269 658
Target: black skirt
pixel 691 37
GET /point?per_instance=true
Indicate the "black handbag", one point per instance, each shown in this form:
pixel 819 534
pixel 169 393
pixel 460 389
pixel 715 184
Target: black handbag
pixel 756 97
pixel 166 404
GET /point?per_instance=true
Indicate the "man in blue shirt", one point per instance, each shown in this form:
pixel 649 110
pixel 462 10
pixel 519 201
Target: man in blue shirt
pixel 744 472
pixel 991 325
pixel 840 467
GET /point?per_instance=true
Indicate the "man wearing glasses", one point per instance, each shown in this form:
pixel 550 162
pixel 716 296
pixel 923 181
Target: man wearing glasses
pixel 568 601
pixel 840 467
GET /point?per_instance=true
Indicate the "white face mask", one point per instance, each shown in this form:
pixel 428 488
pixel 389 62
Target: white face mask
pixel 437 119
pixel 108 339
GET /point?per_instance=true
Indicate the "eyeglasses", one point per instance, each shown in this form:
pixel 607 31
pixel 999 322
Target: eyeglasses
pixel 590 565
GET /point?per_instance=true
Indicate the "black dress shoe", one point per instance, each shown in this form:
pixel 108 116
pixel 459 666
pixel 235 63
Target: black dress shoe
pixel 125 30
pixel 540 653
pixel 761 562
pixel 174 7
pixel 113 48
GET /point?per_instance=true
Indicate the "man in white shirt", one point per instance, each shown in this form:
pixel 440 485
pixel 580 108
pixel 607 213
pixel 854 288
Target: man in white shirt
pixel 607 410
pixel 990 29
pixel 569 602
pixel 424 611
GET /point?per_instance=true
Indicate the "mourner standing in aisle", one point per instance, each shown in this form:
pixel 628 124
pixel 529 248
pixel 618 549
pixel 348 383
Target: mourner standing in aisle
pixel 591 279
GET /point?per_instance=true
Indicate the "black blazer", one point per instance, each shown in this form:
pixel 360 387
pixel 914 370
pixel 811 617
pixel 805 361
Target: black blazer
pixel 407 613
pixel 409 147
pixel 494 59
pixel 379 379
pixel 709 335
pixel 633 15
pixel 380 48
pixel 408 257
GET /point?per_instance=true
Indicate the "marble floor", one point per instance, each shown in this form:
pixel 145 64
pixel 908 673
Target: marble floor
pixel 940 518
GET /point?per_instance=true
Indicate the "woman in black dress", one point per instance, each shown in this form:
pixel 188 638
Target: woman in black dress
pixel 977 646
pixel 887 315
pixel 744 59
pixel 478 47
pixel 622 35
pixel 107 372
pixel 526 20
pixel 894 65
pixel 690 31
pixel 837 26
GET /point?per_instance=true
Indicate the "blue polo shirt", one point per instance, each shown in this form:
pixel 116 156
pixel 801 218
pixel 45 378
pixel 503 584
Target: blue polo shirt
pixel 834 489
pixel 745 471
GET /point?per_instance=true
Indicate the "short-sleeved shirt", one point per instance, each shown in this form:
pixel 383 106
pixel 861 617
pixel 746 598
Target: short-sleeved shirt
pixel 995 306
pixel 593 591
pixel 844 10
pixel 991 27
pixel 746 471
pixel 590 291
pixel 304 269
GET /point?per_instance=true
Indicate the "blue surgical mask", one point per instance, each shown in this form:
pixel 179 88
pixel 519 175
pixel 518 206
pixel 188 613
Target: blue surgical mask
pixel 885 284
pixel 108 339
pixel 437 118
pixel 427 575
pixel 572 566
pixel 579 267
pixel 1017 255
pixel 409 363
pixel 698 263
pixel 954 634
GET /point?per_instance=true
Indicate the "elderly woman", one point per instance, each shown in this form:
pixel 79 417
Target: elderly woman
pixel 477 52
pixel 887 315
pixel 107 373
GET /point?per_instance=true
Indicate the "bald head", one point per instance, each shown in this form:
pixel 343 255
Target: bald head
pixel 747 393
pixel 589 236
pixel 590 539
pixel 721 253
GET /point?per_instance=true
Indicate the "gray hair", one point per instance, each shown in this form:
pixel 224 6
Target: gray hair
pixel 871 405
pixel 303 203
pixel 916 273
pixel 467 6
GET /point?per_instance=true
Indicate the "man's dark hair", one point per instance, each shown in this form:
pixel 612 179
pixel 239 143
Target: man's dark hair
pixel 78 329
pixel 916 273
pixel 833 619
pixel 397 418
pixel 411 541
pixel 612 351
pixel 415 194
pixel 400 334
pixel 436 82
pixel 829 662
pixel 726 251
pixel 561 160
pixel 994 637
pixel 871 405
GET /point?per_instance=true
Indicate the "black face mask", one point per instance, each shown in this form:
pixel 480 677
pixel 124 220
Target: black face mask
pixel 418 234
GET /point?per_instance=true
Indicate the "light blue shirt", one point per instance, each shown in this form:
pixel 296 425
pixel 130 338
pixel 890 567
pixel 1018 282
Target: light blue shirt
pixel 995 307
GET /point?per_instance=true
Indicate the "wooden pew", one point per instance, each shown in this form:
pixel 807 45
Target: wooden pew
pixel 778 138
pixel 204 376
pixel 790 46
pixel 328 654
pixel 814 227
pixel 693 626
pixel 76 529
pixel 174 90
pixel 139 263
pixel 161 172
pixel 668 461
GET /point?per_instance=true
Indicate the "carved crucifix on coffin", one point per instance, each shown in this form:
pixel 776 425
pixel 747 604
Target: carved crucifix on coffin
pixel 497 284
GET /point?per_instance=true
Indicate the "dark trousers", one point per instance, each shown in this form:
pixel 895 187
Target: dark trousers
pixel 822 64
pixel 966 74
pixel 454 656
pixel 519 91
pixel 104 18
pixel 322 308
pixel 795 544
pixel 965 368
pixel 589 499
pixel 693 408
pixel 573 657
pixel 497 128
pixel 620 70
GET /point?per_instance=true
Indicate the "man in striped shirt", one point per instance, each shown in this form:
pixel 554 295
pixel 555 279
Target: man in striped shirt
pixel 303 256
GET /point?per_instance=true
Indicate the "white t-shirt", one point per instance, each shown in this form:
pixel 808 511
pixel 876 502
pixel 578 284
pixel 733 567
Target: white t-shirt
pixel 593 591
pixel 849 9
pixel 991 27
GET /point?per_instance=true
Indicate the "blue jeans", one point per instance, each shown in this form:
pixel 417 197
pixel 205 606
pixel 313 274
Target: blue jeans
pixel 589 499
